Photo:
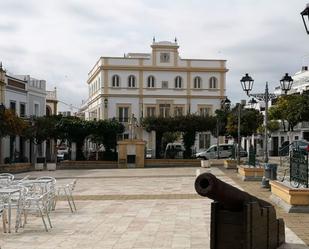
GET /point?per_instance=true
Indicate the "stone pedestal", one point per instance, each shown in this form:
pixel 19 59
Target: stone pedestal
pixel 230 164
pixel 131 153
pixel 250 173
pixel 292 200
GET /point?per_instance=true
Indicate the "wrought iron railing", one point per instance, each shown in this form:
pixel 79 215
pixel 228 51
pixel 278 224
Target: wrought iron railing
pixel 294 166
pixel 299 167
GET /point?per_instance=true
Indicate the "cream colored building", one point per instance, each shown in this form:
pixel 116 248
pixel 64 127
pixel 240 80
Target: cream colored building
pixel 51 102
pixel 159 83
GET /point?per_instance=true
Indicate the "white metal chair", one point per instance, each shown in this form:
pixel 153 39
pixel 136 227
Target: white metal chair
pixel 38 203
pixel 6 179
pixel 67 191
pixel 49 186
pixel 3 214
pixel 15 201
pixel 7 175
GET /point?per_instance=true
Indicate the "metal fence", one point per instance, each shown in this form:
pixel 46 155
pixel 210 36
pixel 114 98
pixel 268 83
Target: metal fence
pixel 294 166
pixel 299 167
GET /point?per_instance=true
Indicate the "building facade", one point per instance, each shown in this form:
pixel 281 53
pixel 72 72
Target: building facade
pixel 301 130
pixel 51 102
pixel 160 83
pixel 25 96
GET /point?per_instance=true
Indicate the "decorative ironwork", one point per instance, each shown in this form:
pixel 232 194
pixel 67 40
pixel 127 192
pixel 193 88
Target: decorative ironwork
pixel 252 156
pixel 299 168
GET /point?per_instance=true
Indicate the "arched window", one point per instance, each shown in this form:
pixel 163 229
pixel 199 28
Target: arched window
pixel 131 81
pixel 151 81
pixel 115 81
pixel 213 82
pixel 178 82
pixel 197 82
pixel 48 111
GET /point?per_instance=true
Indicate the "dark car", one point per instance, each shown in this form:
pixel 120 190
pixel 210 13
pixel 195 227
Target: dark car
pixel 286 147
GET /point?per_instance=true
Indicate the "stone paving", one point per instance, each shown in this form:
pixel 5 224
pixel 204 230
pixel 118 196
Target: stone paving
pixel 128 208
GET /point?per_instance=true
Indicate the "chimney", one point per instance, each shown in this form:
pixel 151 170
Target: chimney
pixel 304 68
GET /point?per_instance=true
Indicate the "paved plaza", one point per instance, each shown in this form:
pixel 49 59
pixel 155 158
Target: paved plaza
pixel 128 208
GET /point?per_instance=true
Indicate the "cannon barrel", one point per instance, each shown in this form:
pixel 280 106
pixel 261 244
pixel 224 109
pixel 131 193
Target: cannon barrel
pixel 229 197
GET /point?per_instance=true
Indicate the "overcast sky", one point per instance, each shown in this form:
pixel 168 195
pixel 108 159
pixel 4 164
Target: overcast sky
pixel 60 40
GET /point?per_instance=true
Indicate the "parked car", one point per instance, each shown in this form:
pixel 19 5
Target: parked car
pixel 62 153
pixel 148 154
pixel 174 150
pixel 286 146
pixel 225 151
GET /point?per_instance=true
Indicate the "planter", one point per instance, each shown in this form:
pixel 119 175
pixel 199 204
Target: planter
pixel 205 164
pixel 216 162
pixel 39 166
pixel 15 168
pixel 230 164
pixel 51 166
pixel 292 200
pixel 250 173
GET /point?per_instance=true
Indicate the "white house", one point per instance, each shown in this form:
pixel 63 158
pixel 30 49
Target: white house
pixel 26 96
pixel 301 130
pixel 159 83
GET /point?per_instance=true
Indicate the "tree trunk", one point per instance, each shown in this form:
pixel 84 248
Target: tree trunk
pixel 73 151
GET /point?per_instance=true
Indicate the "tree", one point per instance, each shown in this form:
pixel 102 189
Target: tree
pixel 10 125
pixel 74 130
pixel 291 108
pixel 250 121
pixel 104 132
pixel 188 125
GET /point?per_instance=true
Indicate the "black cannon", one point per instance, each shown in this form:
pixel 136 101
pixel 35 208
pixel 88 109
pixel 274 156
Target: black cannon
pixel 238 219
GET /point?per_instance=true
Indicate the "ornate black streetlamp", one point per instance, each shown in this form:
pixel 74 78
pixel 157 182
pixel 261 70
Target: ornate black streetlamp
pixel 247 84
pixel 305 17
pixel 286 83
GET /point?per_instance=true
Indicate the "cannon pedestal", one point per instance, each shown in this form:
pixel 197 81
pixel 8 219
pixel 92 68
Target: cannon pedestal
pixel 251 228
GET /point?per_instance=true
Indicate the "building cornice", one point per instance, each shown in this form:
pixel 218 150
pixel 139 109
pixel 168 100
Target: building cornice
pixel 157 68
pixel 158 96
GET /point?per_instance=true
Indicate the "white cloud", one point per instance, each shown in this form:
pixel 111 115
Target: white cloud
pixel 61 40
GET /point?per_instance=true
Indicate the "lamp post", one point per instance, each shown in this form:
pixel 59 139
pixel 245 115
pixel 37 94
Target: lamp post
pixel 247 84
pixel 286 83
pixel 225 104
pixel 305 17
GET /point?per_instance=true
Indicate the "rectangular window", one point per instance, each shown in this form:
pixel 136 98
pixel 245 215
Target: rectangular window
pixel 13 106
pixel 150 111
pixel 178 111
pixel 164 110
pixel 22 110
pixel 36 110
pixel 204 141
pixel 123 114
pixel 165 84
pixel 204 111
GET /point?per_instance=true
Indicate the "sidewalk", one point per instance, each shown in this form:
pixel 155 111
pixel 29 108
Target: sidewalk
pixel 133 208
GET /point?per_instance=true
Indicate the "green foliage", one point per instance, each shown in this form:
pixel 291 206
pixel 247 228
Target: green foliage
pixel 222 119
pixel 105 132
pixel 188 125
pixel 273 125
pixel 250 121
pixel 11 124
pixel 292 108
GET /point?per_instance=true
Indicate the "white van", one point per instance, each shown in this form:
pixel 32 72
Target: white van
pixel 225 151
pixel 174 150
